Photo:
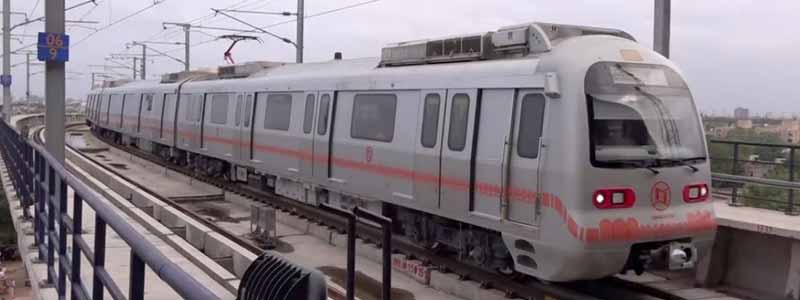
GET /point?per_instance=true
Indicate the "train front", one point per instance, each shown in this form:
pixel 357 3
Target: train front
pixel 629 176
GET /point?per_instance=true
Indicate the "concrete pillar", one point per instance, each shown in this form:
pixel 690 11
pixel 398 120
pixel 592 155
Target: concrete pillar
pixel 54 85
pixel 661 30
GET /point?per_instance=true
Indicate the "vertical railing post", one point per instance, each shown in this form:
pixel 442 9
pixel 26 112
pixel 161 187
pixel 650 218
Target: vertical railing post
pixel 77 231
pixel 61 287
pixel 51 222
pixel 136 286
pixel 386 226
pixel 37 213
pixel 99 256
pixel 350 279
pixel 734 164
pixel 790 205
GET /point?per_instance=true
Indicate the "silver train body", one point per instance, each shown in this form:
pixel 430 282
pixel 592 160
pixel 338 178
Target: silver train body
pixel 562 152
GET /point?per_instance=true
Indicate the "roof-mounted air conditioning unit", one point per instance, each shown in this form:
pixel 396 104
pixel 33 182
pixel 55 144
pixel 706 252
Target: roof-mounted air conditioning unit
pixel 245 69
pixel 507 42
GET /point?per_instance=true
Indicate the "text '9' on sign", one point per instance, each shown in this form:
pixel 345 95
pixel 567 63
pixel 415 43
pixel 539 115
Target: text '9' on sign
pixel 53 47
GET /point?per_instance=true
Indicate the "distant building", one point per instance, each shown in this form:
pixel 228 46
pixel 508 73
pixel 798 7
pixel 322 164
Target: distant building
pixel 744 123
pixel 741 113
pixel 790 131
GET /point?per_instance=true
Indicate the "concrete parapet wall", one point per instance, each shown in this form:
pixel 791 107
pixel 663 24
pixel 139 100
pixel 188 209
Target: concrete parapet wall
pixel 756 254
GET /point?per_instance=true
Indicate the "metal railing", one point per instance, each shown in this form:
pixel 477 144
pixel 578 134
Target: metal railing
pixel 42 182
pixel 767 181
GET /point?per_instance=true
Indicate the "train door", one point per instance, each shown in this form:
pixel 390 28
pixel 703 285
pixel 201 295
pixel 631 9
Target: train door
pixel 322 136
pixel 199 127
pixel 246 134
pixel 427 156
pixel 493 124
pixel 306 166
pixel 168 119
pixel 456 157
pixel 238 125
pixel 523 172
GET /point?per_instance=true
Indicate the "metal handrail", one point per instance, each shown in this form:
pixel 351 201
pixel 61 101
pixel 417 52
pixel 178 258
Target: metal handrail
pixel 772 145
pixel 789 185
pixel 736 163
pixel 51 199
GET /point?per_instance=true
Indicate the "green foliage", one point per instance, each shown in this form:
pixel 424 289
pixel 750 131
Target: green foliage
pixel 722 154
pixel 766 196
pixel 756 195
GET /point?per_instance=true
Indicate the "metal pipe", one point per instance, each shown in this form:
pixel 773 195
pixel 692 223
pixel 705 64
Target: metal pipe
pixel 661 28
pixel 350 279
pixel 144 62
pixel 790 207
pixel 386 247
pixel 187 33
pixel 28 77
pixel 135 62
pixel 55 87
pixel 7 58
pixel 300 34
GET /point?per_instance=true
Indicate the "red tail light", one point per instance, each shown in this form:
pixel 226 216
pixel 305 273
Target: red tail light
pixel 695 193
pixel 614 198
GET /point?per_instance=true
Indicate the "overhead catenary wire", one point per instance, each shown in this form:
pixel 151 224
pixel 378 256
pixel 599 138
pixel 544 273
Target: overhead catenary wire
pixel 174 31
pixel 322 13
pixel 120 20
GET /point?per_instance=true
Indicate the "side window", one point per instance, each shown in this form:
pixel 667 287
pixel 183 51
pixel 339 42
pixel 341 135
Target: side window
pixel 530 125
pixel 248 110
pixel 198 108
pixel 189 107
pixel 308 118
pixel 279 110
pixel 148 99
pixel 373 117
pixel 219 109
pixel 238 120
pixel 322 120
pixel 430 120
pixel 459 116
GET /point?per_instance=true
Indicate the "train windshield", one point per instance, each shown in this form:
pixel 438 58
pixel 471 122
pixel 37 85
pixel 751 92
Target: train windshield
pixel 641 116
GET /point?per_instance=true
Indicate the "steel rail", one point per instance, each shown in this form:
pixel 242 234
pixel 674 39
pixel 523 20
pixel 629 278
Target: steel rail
pixel 182 282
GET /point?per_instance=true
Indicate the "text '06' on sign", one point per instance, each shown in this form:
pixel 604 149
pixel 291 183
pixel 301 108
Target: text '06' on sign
pixel 53 47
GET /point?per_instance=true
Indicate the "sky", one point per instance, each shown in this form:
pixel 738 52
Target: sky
pixel 733 53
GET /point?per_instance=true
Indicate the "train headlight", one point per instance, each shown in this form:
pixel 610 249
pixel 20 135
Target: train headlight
pixel 614 198
pixel 695 193
pixel 599 199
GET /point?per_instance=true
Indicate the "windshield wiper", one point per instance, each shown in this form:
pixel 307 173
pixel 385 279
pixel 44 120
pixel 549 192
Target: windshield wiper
pixel 645 164
pixel 682 162
pixel 650 166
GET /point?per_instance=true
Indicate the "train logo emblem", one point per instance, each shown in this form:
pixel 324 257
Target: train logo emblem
pixel 659 196
pixel 368 153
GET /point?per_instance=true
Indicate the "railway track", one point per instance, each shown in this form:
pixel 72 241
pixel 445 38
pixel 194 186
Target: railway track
pixel 519 287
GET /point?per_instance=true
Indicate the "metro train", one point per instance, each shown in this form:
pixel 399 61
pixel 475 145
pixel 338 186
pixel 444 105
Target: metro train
pixel 562 152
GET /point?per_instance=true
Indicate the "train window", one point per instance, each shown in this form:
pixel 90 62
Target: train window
pixel 459 115
pixel 279 112
pixel 219 109
pixel 148 100
pixel 373 117
pixel 189 107
pixel 322 119
pixel 308 118
pixel 248 109
pixel 430 120
pixel 198 108
pixel 530 125
pixel 238 119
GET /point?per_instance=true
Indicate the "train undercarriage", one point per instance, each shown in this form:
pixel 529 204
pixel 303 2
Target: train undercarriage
pixel 467 243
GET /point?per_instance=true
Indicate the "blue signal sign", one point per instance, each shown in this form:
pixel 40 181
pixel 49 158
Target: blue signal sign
pixel 53 47
pixel 5 80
